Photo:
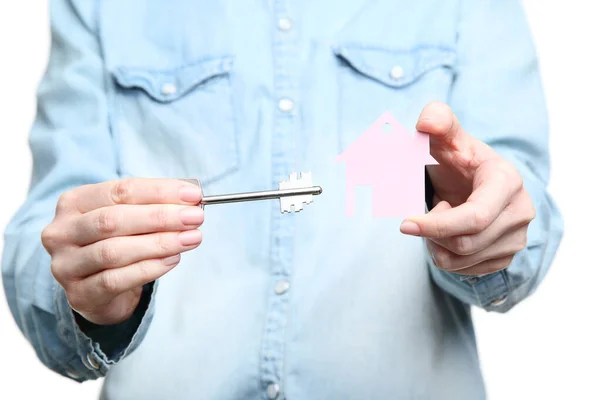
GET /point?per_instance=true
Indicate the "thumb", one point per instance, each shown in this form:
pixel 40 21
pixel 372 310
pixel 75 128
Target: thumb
pixel 409 227
pixel 445 132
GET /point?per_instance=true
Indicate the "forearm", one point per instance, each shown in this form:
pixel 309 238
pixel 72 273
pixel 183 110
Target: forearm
pixel 71 146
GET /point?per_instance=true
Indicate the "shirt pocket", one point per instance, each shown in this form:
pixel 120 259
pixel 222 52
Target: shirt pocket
pixel 176 122
pixel 375 79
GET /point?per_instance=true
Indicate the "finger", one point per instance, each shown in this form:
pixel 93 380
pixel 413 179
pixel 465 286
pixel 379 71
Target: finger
pixel 450 144
pixel 518 214
pixel 438 120
pixel 488 267
pixel 135 191
pixel 126 220
pixel 493 190
pixel 107 284
pixel 121 251
pixel 507 245
pixel 495 184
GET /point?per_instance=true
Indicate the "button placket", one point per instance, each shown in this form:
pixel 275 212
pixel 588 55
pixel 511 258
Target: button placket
pixel 285 111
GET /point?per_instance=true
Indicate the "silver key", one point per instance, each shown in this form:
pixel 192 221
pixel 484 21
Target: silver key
pixel 296 202
pixel 293 193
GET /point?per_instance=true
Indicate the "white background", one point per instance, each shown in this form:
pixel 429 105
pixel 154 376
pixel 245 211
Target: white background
pixel 547 347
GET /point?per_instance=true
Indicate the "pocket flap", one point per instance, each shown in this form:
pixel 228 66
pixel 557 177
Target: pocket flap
pixel 168 85
pixel 394 67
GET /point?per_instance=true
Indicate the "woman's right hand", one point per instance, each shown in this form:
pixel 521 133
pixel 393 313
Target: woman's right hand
pixel 109 239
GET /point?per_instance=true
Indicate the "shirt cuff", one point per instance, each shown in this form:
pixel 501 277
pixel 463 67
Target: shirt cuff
pixel 98 348
pixel 497 292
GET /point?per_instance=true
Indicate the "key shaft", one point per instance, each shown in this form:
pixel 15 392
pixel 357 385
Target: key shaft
pixel 263 195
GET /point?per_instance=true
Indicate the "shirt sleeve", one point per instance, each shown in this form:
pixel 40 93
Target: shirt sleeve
pixel 71 145
pixel 497 96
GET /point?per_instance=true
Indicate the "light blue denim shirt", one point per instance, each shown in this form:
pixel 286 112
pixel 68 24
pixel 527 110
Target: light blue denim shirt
pixel 240 94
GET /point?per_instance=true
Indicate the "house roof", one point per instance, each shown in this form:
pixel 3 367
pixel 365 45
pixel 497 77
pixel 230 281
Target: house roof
pixel 398 143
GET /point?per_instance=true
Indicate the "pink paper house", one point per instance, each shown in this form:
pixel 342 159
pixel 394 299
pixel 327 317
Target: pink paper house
pixel 391 160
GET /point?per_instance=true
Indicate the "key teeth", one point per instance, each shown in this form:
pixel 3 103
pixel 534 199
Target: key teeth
pixel 295 181
pixel 296 204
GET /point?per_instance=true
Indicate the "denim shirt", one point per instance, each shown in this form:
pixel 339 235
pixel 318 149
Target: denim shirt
pixel 239 94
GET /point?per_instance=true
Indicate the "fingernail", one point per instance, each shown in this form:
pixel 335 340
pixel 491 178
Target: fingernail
pixel 190 194
pixel 170 261
pixel 190 238
pixel 192 216
pixel 410 228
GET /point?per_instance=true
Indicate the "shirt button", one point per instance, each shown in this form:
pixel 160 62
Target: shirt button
pixel 500 301
pixel 285 24
pixel 282 287
pixel 168 89
pixel 72 374
pixel 272 391
pixel 397 72
pixel 91 362
pixel 286 105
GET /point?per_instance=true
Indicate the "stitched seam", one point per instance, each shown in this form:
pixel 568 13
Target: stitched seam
pixel 391 49
pixel 225 64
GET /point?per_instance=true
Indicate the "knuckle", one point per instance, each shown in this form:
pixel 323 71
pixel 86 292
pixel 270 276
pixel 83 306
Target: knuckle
pixel 145 270
pixel 76 300
pixel 464 159
pixel 443 258
pixel 108 255
pixel 482 217
pixel 77 297
pixel 49 237
pixel 109 281
pixel 57 271
pixel 509 174
pixel 121 192
pixel 525 214
pixel 163 244
pixel 521 241
pixel 513 175
pixel 65 201
pixel 518 179
pixel 462 245
pixel 161 194
pixel 161 217
pixel 107 222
